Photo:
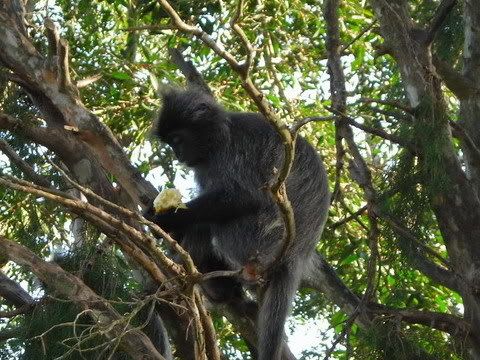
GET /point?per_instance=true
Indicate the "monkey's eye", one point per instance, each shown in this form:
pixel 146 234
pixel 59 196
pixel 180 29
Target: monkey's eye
pixel 176 140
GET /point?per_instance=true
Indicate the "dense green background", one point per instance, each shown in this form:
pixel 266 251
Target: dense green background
pixel 291 61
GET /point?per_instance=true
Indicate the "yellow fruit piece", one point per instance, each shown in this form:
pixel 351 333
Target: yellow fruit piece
pixel 168 199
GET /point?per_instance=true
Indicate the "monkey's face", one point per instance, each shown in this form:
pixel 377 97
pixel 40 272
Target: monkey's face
pixel 193 125
pixel 187 146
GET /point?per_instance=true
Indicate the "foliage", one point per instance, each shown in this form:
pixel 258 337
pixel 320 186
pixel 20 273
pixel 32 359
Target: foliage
pixel 290 67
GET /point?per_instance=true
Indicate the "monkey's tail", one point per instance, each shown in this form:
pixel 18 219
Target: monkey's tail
pixel 274 310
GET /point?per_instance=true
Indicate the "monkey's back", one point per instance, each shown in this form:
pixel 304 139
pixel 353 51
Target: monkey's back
pixel 247 165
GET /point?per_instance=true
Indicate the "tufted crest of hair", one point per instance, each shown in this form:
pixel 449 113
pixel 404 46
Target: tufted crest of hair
pixel 189 109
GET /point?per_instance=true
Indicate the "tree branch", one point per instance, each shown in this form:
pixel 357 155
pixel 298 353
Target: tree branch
pixel 106 220
pixel 73 152
pixel 18 311
pixel 448 323
pixel 13 293
pixel 22 164
pixel 302 122
pixel 352 216
pixel 440 15
pixel 461 86
pixel 375 131
pixel 358 167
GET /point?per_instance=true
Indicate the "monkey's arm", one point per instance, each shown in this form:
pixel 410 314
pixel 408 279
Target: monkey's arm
pixel 219 206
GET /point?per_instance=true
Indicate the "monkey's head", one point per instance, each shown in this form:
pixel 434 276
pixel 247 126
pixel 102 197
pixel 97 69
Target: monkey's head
pixel 194 126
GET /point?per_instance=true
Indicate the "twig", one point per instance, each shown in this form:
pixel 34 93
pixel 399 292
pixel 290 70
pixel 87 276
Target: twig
pixel 374 131
pixel 346 329
pixel 268 53
pixel 372 273
pixel 403 231
pixel 463 135
pixel 353 215
pixel 211 348
pixel 359 221
pixel 89 80
pixel 245 67
pixel 200 34
pixel 149 27
pixel 363 32
pixel 302 122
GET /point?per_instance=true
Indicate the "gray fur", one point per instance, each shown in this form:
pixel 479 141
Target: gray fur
pixel 239 152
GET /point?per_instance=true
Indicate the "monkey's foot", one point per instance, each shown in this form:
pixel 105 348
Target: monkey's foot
pixel 251 273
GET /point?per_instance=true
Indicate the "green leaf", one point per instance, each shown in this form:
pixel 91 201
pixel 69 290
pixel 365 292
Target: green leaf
pixel 120 75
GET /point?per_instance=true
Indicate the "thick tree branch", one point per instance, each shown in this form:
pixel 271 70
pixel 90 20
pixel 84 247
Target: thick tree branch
pixel 18 311
pixel 322 277
pixel 460 85
pixel 13 293
pixel 53 37
pixel 135 244
pixel 339 100
pixel 73 152
pixel 17 9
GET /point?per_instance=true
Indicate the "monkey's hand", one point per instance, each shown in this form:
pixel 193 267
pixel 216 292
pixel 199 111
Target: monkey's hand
pixel 149 213
pixel 168 220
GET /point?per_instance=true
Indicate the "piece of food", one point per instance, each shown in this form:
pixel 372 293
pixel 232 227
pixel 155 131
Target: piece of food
pixel 168 199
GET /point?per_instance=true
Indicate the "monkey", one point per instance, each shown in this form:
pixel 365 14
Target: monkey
pixel 197 241
pixel 234 222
